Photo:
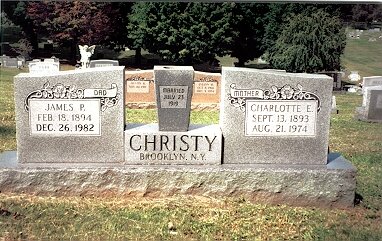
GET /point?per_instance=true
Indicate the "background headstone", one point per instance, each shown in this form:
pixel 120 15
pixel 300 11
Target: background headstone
pixel 11 62
pixel 334 105
pixel 372 106
pixel 3 58
pixel 70 116
pixel 275 117
pixel 173 87
pixel 367 82
pixel 103 63
pixel 44 68
pixel 354 76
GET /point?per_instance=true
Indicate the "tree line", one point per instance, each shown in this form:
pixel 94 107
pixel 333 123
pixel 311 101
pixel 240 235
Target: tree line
pixel 292 36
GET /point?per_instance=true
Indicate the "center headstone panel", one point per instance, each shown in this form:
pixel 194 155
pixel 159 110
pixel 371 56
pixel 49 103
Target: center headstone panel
pixel 274 117
pixel 173 86
pixel 70 116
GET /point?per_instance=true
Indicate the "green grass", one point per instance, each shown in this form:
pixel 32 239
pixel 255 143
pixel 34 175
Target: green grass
pixel 363 56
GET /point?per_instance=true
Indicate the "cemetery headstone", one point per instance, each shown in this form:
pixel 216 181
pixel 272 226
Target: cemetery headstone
pixel 275 117
pixel 369 82
pixel 103 63
pixel 43 68
pixel 337 78
pixel 173 87
pixel 51 60
pixel 11 62
pixel 3 58
pixel 70 116
pixel 354 76
pixel 371 110
pixel 334 105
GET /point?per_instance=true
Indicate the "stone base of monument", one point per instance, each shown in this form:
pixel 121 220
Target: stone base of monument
pixel 362 114
pixel 331 185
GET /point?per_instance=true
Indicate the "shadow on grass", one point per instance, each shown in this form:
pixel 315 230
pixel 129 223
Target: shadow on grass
pixel 358 199
pixel 7 131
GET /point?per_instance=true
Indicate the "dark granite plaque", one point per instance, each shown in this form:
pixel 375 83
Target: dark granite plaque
pixel 173 86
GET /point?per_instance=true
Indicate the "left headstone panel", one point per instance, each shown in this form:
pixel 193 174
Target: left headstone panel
pixel 70 116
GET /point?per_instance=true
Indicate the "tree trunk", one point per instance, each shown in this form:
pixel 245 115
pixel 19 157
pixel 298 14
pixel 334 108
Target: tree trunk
pixel 34 42
pixel 73 53
pixel 138 57
pixel 240 63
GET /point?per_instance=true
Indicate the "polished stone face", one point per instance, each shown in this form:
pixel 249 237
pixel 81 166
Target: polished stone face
pixel 275 117
pixel 70 116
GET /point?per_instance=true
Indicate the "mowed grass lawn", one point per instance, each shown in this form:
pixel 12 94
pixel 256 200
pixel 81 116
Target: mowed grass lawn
pixel 28 217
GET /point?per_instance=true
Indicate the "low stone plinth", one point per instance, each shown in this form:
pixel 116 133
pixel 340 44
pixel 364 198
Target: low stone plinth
pixel 331 185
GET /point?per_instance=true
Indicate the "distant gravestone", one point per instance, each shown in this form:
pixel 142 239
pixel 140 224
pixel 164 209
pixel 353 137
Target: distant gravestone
pixel 275 117
pixel 337 78
pixel 3 58
pixel 70 116
pixel 11 62
pixel 137 85
pixel 334 105
pixel 51 60
pixel 173 86
pixel 44 68
pixel 371 110
pixel 205 87
pixel 370 81
pixel 354 76
pixel 103 63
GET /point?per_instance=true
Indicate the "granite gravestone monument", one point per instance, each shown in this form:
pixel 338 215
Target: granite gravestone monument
pixel 275 117
pixel 10 62
pixel 371 110
pixel 370 81
pixel 77 117
pixel 70 116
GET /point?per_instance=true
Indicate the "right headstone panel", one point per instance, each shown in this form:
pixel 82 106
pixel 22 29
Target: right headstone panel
pixel 274 117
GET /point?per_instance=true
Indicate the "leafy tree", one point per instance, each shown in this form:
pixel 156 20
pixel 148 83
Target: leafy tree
pixel 309 43
pixel 183 33
pixel 137 29
pixel 367 12
pixel 71 23
pixel 16 12
pixel 248 31
pixel 24 48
